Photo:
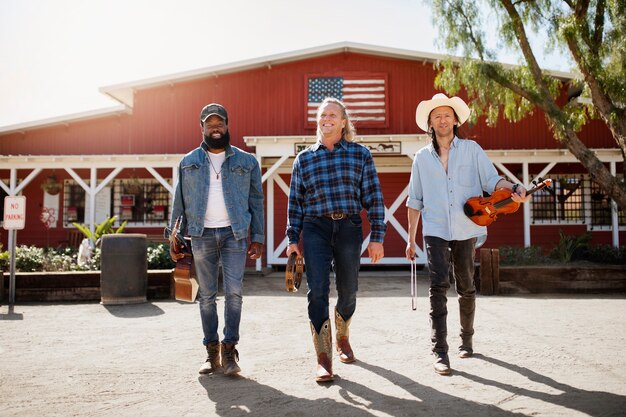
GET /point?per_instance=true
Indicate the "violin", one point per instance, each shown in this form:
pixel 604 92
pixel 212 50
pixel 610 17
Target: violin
pixel 485 210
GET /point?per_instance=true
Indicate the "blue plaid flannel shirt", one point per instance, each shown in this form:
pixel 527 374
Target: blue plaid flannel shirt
pixel 344 180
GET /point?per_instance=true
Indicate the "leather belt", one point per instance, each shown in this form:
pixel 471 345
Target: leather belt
pixel 336 216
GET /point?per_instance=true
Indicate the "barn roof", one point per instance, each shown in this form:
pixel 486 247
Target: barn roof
pixel 124 93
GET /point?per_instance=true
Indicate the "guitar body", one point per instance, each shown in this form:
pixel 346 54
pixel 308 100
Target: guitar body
pixel 185 280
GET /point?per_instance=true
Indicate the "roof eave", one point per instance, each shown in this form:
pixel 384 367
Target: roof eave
pixel 124 92
pixel 66 119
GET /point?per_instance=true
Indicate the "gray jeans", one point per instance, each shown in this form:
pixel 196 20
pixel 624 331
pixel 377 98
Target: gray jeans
pixel 448 259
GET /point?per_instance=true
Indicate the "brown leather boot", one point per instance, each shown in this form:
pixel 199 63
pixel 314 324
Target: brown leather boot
pixel 230 357
pixel 467 308
pixel 212 363
pixel 324 352
pixel 342 333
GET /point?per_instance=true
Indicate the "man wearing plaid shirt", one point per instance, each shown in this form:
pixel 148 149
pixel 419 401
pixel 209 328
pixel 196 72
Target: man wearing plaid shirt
pixel 331 182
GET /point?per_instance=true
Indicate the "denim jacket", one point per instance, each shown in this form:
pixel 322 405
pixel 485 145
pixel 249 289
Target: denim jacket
pixel 243 193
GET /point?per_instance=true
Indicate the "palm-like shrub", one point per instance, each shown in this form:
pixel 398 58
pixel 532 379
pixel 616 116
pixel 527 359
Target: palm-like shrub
pixel 104 228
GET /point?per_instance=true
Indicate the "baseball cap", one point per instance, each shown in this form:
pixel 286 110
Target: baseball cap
pixel 213 109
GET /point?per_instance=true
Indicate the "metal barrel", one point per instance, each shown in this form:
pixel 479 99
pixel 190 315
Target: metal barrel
pixel 124 269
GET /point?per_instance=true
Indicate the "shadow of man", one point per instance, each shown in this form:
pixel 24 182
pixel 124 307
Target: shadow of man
pixel 593 403
pixel 428 401
pixel 239 396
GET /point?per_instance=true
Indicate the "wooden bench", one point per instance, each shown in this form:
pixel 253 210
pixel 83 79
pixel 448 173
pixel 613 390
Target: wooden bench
pixel 74 237
pixel 156 238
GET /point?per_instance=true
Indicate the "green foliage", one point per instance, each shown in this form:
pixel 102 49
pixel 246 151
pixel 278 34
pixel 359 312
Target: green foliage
pixel 94 262
pixel 606 254
pixel 29 258
pixel 4 260
pixel 159 256
pixel 570 246
pixel 515 255
pixel 591 33
pixel 60 260
pixel 65 259
pixel 34 259
pixel 104 228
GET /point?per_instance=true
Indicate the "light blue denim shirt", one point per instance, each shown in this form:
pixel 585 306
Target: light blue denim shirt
pixel 440 196
pixel 241 184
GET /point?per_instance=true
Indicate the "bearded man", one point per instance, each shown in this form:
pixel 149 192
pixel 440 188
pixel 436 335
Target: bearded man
pixel 220 198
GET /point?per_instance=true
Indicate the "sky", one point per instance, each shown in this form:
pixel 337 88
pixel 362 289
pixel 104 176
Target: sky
pixel 55 55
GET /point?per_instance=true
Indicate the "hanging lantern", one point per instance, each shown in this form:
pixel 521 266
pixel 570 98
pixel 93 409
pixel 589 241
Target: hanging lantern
pixel 133 186
pixel 51 185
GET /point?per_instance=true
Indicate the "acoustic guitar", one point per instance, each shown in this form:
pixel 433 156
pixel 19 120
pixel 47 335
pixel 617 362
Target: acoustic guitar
pixel 185 280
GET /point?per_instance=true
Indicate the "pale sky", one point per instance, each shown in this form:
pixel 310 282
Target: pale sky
pixel 55 54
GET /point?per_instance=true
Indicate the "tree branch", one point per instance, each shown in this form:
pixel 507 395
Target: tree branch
pixel 492 73
pixel 469 28
pixel 600 99
pixel 598 24
pixel 520 34
pixel 598 171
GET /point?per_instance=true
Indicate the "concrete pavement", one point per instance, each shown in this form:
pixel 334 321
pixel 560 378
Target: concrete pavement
pixel 536 356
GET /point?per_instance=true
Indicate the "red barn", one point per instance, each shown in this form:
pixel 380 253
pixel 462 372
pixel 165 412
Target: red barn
pixel 86 167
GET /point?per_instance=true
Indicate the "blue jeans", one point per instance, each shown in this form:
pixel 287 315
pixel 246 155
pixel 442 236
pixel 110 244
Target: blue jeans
pixel 331 244
pixel 219 246
pixel 448 259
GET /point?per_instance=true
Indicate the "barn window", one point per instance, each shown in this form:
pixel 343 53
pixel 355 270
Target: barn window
pixel 141 202
pixel 73 203
pixel 601 211
pixel 573 199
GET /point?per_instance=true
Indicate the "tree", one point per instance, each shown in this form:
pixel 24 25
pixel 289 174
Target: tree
pixel 594 34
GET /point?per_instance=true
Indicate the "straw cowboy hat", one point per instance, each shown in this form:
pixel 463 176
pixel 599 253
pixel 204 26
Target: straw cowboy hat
pixel 438 100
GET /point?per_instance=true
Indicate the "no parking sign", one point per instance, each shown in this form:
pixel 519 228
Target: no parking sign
pixel 14 213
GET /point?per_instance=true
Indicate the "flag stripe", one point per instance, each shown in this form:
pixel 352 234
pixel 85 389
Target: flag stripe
pixel 364 97
pixel 354 111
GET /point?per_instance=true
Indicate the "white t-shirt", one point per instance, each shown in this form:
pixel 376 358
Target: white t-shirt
pixel 216 214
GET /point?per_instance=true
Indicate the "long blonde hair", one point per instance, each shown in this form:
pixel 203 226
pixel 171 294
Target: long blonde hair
pixel 348 132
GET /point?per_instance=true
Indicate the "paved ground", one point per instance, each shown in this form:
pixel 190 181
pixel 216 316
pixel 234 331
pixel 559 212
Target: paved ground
pixel 536 356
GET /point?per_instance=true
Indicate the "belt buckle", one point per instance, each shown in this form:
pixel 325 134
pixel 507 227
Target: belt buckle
pixel 337 216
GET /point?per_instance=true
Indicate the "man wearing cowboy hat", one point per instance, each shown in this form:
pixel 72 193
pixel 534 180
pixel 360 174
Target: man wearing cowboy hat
pixel 444 175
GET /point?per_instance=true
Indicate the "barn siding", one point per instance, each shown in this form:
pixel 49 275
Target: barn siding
pixel 269 101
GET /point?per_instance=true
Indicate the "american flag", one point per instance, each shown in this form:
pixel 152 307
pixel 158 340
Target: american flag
pixel 364 97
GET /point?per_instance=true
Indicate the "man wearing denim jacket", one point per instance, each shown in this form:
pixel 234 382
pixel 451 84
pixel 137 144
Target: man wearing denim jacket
pixel 220 198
